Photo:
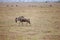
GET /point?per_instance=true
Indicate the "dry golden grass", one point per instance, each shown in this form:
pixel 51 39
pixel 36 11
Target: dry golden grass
pixel 45 23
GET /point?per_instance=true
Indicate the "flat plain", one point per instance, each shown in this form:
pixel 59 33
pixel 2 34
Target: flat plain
pixel 44 17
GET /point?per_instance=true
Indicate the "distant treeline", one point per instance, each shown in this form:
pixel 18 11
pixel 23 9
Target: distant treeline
pixel 29 0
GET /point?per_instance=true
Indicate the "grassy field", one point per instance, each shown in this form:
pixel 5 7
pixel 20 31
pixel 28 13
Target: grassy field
pixel 45 22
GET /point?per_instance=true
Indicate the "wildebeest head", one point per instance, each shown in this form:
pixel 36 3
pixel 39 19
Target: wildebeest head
pixel 16 20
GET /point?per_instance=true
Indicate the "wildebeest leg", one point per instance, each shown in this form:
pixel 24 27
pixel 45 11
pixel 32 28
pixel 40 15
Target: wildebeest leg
pixel 19 23
pixel 26 23
pixel 30 24
pixel 22 23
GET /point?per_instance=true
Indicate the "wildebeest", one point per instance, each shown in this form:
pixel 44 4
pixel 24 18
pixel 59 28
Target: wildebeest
pixel 22 19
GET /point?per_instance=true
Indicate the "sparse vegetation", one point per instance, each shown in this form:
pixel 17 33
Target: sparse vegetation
pixel 44 22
